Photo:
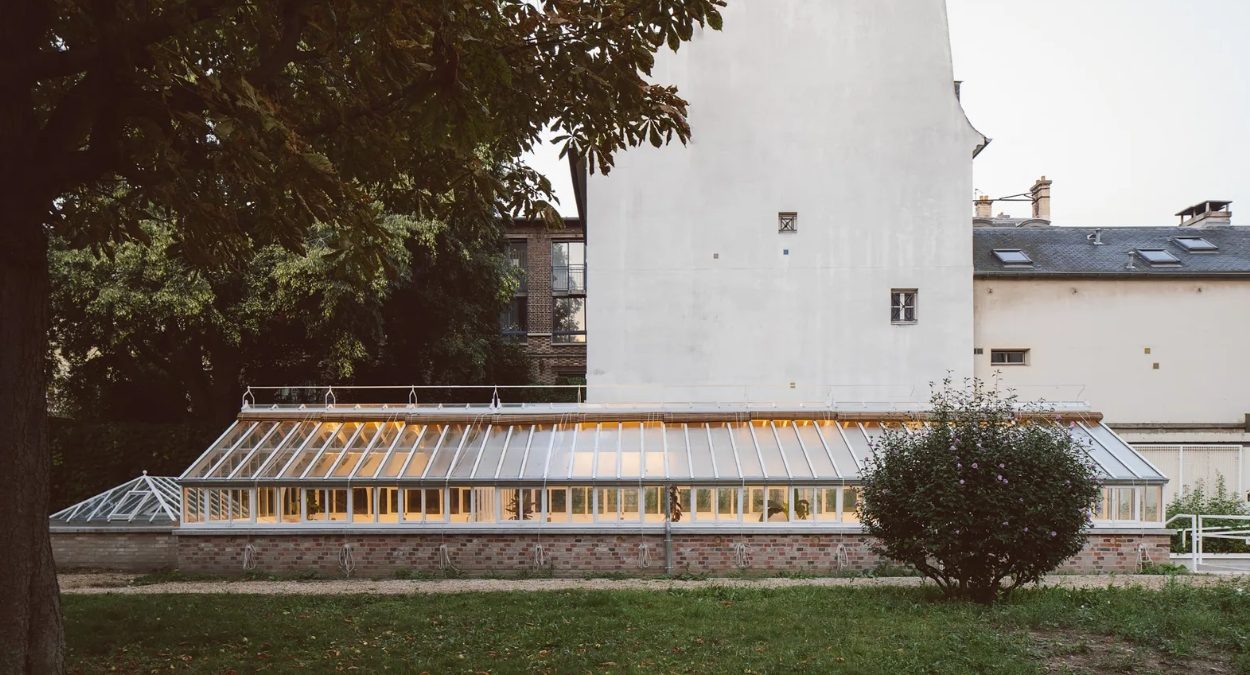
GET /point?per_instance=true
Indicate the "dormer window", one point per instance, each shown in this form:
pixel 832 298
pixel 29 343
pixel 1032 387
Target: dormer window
pixel 1158 257
pixel 1013 257
pixel 1195 244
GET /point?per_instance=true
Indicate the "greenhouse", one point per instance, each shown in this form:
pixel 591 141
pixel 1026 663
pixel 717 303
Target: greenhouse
pixel 146 501
pixel 575 466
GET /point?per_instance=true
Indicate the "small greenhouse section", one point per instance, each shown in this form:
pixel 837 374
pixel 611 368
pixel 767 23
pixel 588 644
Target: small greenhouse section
pixel 146 501
pixel 126 528
pixel 574 466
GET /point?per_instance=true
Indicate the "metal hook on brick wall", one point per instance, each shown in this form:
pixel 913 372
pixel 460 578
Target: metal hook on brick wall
pixel 540 556
pixel 742 557
pixel 346 562
pixel 644 555
pixel 1143 557
pixel 249 558
pixel 840 557
pixel 444 559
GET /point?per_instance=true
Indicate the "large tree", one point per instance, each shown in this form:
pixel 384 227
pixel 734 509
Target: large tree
pixel 246 122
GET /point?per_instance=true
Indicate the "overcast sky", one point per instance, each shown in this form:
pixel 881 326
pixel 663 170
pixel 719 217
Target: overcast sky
pixel 1134 108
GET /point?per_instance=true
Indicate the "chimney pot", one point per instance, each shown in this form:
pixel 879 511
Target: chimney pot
pixel 985 207
pixel 1040 194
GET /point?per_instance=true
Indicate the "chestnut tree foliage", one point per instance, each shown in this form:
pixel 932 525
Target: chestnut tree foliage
pixel 242 124
pixel 984 498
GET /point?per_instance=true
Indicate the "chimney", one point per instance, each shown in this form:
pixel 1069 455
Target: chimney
pixel 1040 194
pixel 985 207
pixel 1207 214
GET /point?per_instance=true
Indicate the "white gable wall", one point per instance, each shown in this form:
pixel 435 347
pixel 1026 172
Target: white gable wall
pixel 841 110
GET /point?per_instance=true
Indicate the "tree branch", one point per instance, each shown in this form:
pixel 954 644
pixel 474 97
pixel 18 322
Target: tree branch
pixel 285 50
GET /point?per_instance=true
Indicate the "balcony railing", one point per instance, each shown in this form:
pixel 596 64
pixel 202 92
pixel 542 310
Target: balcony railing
pixel 568 280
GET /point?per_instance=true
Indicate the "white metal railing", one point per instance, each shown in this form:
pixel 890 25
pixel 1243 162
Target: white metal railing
pixel 1198 531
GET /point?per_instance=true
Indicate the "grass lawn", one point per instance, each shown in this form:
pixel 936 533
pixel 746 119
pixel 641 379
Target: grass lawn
pixel 866 629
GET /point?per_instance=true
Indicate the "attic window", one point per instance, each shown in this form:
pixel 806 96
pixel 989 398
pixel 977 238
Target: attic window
pixel 788 221
pixel 1158 257
pixel 1195 244
pixel 1012 256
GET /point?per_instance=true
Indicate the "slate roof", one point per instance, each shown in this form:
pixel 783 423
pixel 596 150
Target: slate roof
pixel 1068 252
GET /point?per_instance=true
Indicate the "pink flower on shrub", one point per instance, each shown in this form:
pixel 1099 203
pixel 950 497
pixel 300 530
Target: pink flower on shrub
pixel 974 465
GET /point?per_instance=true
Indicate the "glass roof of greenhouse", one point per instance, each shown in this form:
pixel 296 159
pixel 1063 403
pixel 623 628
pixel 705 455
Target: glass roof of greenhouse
pixel 144 501
pixel 360 445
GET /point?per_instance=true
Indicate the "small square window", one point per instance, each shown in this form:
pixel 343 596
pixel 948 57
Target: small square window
pixel 1012 256
pixel 1158 257
pixel 1195 244
pixel 1009 357
pixel 788 221
pixel 903 305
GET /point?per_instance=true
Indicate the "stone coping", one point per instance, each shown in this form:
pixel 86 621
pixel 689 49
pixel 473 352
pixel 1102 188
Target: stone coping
pixel 648 530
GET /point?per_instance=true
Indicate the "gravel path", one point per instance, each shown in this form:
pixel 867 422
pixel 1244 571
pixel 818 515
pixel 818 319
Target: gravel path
pixel 94 583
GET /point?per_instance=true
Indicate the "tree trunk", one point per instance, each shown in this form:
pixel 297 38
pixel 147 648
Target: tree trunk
pixel 30 613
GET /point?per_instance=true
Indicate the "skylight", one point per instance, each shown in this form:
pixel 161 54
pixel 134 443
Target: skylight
pixel 1195 244
pixel 1012 256
pixel 1158 257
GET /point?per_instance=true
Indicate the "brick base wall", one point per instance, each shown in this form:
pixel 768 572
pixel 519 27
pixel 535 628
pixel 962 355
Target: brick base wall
pixel 383 554
pixel 118 551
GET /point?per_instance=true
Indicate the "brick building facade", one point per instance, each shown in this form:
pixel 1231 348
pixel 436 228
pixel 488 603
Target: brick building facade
pixel 548 312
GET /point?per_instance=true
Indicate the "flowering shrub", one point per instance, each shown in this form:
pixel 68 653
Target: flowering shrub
pixel 977 500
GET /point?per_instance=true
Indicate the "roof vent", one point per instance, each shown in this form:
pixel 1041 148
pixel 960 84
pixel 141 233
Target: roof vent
pixel 1095 237
pixel 1211 213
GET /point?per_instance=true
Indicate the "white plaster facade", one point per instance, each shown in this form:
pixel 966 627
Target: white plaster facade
pixel 1098 340
pixel 843 111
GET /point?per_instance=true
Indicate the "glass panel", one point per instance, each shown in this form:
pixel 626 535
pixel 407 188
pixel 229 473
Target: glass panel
pixel 1123 453
pixel 1124 503
pixel 770 450
pixel 1101 456
pixel 753 508
pixel 362 505
pixel 412 505
pixel 805 431
pixel 381 445
pixel 460 505
pixel 540 450
pixel 336 505
pixel 609 455
pixel 701 458
pixel 830 433
pixel 825 506
pixel 333 450
pixel 804 500
pixel 446 451
pixel 557 505
pixel 400 452
pixel 388 505
pixel 515 455
pixel 315 505
pixel 192 505
pixel 778 505
pixel 242 466
pixel 492 437
pixel 678 458
pixel 653 504
pixel 704 509
pixel 304 456
pixel 583 450
pixel 429 442
pixel 273 462
pixel 679 505
pixel 631 450
pixel 1151 497
pixel 290 504
pixel 260 437
pixel 727 504
pixel 352 455
pixel 562 451
pixel 748 457
pixel 793 452
pixel 855 435
pixel 521 504
pixel 609 506
pixel 653 449
pixel 233 435
pixel 631 511
pixel 850 505
pixel 723 452
pixel 267 505
pixel 580 503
